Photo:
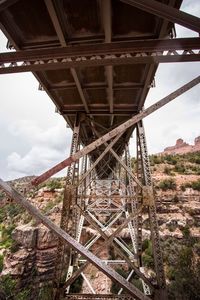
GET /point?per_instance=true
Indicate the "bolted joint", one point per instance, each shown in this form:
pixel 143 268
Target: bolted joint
pixel 148 196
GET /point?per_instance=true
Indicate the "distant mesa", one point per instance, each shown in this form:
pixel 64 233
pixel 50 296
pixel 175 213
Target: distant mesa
pixel 182 147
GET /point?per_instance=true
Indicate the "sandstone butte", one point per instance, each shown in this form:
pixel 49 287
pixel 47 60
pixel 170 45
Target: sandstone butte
pixel 182 147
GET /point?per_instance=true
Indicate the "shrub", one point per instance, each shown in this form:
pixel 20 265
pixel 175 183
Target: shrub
pixel 6 238
pixel 155 159
pixel 180 168
pixel 45 293
pixel 195 185
pixel 167 170
pixel 77 285
pixel 1 263
pixel 10 210
pixel 54 184
pixel 7 286
pixel 147 256
pixel 175 199
pixel 167 184
pixel 172 160
pixel 25 294
pixel 170 273
pixel 115 286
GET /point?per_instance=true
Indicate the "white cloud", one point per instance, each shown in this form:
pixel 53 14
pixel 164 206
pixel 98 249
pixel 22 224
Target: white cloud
pixel 47 147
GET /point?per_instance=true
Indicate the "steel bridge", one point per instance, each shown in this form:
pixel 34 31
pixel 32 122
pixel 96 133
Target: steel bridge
pixel 96 59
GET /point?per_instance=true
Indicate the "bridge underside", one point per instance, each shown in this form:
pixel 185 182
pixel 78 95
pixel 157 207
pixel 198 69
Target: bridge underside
pixel 97 60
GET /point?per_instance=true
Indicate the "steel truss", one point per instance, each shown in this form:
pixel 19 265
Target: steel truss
pixel 116 131
pixel 110 209
pixel 108 54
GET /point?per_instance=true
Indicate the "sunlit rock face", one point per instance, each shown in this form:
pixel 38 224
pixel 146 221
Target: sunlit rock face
pixel 182 147
pixel 34 258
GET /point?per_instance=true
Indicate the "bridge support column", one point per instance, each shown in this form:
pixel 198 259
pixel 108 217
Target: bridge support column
pixel 68 222
pixel 149 204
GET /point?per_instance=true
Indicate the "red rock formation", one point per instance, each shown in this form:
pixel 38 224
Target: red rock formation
pixel 182 147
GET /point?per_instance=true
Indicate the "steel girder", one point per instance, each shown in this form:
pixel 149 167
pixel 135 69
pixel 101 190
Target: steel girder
pixel 137 52
pixel 64 254
pixel 167 12
pixel 150 204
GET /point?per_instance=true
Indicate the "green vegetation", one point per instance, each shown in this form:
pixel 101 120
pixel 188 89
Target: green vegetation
pixel 124 273
pixel 45 293
pixel 7 286
pixel 183 164
pixel 167 184
pixel 51 204
pixel 76 285
pixel 184 269
pixel 6 240
pixel 168 171
pixel 115 286
pixel 9 289
pixel 10 211
pixel 1 263
pixel 54 184
pixel 147 255
pixel 1 195
pixel 195 185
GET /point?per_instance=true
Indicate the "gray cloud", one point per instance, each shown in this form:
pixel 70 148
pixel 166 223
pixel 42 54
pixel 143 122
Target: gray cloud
pixel 47 147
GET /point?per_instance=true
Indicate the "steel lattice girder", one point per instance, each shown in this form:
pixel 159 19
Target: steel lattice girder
pixel 121 128
pixel 135 52
pixel 72 242
pixel 167 12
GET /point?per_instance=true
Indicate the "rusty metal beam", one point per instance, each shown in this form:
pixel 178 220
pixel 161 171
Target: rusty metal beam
pixel 167 12
pixel 121 128
pixel 61 37
pixel 138 46
pixel 123 113
pixel 79 52
pixel 109 60
pixel 12 193
pixel 55 21
pixel 4 4
pixel 98 86
pixel 106 20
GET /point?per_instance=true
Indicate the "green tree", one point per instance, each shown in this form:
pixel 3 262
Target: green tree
pixel 185 274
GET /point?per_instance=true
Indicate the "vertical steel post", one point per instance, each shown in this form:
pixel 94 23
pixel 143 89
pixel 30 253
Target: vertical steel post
pixel 64 253
pixel 149 202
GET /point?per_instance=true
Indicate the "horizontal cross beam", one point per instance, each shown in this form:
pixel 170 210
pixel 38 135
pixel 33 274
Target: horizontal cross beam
pixel 136 52
pixel 167 12
pixel 121 128
pixel 12 193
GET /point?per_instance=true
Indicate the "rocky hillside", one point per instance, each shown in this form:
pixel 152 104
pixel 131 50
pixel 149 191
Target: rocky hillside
pixel 28 249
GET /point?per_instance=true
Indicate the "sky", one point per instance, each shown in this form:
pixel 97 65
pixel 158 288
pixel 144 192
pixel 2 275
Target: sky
pixel 34 138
